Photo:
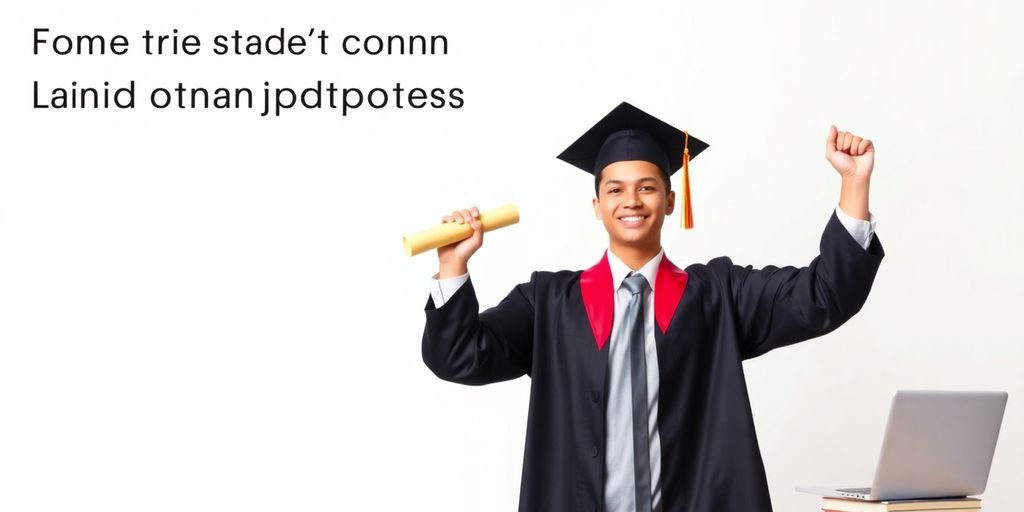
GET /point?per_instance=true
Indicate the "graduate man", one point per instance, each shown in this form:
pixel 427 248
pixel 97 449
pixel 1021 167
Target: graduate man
pixel 638 400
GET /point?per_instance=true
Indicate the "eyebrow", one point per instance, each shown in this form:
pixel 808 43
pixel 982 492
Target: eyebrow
pixel 619 182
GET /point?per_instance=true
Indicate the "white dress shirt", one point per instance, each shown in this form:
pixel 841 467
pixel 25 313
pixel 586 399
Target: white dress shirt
pixel 619 413
pixel 618 462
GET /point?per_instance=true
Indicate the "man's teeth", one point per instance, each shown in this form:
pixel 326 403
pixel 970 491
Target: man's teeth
pixel 635 218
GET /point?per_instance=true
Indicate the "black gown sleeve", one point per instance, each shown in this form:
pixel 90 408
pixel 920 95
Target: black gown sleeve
pixel 777 306
pixel 465 346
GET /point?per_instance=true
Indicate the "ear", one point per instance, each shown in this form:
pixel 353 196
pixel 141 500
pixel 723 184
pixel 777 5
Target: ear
pixel 671 203
pixel 597 208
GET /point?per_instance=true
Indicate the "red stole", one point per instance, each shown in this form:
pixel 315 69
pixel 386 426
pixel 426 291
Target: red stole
pixel 599 296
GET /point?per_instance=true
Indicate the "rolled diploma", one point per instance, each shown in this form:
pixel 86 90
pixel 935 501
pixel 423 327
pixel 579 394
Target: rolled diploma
pixel 451 232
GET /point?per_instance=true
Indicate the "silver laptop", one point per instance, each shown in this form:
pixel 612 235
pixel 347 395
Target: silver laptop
pixel 938 444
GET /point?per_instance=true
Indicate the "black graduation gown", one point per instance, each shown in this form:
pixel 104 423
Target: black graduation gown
pixel 709 318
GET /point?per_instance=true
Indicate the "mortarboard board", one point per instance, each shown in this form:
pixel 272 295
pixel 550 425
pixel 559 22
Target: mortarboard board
pixel 628 133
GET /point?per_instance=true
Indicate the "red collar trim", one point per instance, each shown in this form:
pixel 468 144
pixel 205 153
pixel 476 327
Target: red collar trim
pixel 599 296
pixel 598 299
pixel 669 286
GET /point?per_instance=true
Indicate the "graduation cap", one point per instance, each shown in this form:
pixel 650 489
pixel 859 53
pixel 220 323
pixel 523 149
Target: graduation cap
pixel 628 133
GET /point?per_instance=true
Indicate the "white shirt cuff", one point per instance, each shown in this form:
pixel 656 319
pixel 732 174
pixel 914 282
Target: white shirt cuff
pixel 442 289
pixel 861 230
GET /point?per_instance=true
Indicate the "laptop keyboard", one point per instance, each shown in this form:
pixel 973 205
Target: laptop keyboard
pixel 856 490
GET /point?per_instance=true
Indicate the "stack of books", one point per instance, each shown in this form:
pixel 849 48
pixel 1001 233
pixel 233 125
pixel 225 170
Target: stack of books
pixel 930 505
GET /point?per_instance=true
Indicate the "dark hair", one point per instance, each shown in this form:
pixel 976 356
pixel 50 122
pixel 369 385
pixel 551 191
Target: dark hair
pixel 597 182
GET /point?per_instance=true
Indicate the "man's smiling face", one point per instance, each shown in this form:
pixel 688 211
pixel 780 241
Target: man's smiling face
pixel 632 202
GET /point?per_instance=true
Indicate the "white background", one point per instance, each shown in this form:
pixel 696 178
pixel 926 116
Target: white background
pixel 210 310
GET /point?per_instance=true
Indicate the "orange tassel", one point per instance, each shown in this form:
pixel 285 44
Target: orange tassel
pixel 687 217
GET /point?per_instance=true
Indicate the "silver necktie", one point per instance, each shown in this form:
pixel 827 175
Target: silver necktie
pixel 633 331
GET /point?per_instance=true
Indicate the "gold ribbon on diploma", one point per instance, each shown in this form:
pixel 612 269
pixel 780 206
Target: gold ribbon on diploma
pixel 451 232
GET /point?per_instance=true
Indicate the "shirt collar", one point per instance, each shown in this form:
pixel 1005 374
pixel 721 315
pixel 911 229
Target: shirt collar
pixel 620 270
